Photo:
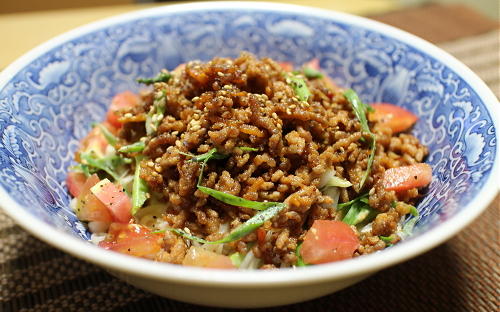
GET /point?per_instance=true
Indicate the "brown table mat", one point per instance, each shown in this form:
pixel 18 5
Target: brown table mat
pixel 460 275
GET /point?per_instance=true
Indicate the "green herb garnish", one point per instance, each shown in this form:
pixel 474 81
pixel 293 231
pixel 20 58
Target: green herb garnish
pixel 235 200
pixel 386 239
pixel 242 230
pixel 299 86
pixel 211 154
pixel 81 168
pixel 359 212
pixel 133 148
pixel 107 164
pixel 161 77
pixel 312 73
pixel 300 261
pixel 408 227
pixel 337 181
pixel 248 149
pixel 363 197
pixel 360 110
pixel 413 211
pixel 155 114
pixel 140 188
pixel 236 258
pixel 110 137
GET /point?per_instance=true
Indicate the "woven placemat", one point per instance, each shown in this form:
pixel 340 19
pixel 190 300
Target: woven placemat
pixel 460 275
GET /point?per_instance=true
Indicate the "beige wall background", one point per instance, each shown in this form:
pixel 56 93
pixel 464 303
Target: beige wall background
pixel 488 7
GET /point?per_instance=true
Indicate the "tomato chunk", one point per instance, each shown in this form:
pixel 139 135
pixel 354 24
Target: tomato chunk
pixel 407 177
pixel 89 208
pixel 328 241
pixel 286 66
pixel 115 199
pixel 392 116
pixel 121 101
pixel 75 182
pixel 94 142
pixel 132 239
pixel 197 256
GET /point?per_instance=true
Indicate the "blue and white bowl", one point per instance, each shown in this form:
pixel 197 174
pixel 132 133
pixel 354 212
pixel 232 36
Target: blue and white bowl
pixel 50 96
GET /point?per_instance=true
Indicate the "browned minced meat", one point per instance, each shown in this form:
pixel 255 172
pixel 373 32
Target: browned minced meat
pixel 246 102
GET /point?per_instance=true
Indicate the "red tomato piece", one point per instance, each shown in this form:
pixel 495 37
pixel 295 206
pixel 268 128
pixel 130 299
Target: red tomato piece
pixel 179 68
pixel 121 101
pixel 132 239
pixel 328 241
pixel 92 209
pixel 89 208
pixel 197 256
pixel 261 235
pixel 94 142
pixel 75 182
pixel 407 177
pixel 287 66
pixel 314 64
pixel 394 117
pixel 115 199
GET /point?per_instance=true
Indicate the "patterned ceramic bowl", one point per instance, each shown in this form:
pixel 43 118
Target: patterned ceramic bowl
pixel 49 97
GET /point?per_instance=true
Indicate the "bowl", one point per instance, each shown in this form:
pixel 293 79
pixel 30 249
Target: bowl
pixel 49 97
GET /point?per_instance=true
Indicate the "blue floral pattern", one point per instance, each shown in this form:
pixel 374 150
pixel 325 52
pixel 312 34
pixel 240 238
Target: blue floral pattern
pixel 48 106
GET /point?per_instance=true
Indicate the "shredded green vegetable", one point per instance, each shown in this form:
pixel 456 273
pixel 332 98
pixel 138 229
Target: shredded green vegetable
pixel 408 227
pixel 337 181
pixel 299 86
pixel 140 188
pixel 248 149
pixel 110 137
pixel 242 230
pixel 133 148
pixel 363 198
pixel 359 212
pixel 161 77
pixel 360 110
pixel 155 114
pixel 236 258
pixel 413 211
pixel 312 73
pixel 235 200
pixel 211 154
pixel 386 239
pixel 107 164
pixel 82 168
pixel 300 261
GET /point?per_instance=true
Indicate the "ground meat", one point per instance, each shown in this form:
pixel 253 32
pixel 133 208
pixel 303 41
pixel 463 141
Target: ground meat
pixel 385 223
pixel 228 104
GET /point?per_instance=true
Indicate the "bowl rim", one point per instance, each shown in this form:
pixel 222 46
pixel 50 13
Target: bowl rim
pixel 262 278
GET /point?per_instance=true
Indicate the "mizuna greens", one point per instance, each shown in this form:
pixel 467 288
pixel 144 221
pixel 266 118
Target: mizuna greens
pixel 361 109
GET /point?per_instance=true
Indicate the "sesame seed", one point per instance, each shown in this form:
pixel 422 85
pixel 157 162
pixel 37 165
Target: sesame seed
pixel 128 115
pixel 196 127
pixel 175 133
pixel 275 116
pixel 196 98
pixel 151 164
pixel 220 74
